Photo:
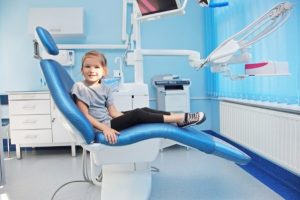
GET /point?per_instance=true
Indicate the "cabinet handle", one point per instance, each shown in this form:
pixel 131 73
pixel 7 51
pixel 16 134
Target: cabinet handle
pixel 31 136
pixel 27 96
pixel 53 119
pixel 30 121
pixel 28 107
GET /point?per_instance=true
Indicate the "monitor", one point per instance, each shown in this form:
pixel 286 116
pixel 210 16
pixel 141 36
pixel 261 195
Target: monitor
pixel 148 7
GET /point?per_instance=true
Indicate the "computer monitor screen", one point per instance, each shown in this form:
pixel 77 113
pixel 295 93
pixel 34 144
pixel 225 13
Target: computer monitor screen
pixel 148 7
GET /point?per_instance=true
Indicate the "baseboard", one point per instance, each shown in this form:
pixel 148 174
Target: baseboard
pixel 280 180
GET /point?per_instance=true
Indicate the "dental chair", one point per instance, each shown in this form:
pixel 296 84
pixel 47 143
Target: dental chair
pixel 124 167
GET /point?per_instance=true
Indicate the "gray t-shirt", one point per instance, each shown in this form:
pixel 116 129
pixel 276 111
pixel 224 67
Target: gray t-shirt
pixel 97 98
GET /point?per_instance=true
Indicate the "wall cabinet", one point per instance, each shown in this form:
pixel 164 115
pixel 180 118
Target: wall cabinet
pixel 60 22
pixel 33 122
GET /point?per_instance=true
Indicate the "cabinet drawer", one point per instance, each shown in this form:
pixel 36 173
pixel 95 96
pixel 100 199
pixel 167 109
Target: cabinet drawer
pixel 19 122
pixel 29 107
pixel 31 136
pixel 28 96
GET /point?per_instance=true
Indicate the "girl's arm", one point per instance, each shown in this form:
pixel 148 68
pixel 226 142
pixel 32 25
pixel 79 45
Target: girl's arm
pixel 113 112
pixel 109 133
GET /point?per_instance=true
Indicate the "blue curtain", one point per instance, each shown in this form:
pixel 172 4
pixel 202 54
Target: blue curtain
pixel 282 45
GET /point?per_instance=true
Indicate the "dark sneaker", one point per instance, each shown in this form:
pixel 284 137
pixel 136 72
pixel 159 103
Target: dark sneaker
pixel 192 119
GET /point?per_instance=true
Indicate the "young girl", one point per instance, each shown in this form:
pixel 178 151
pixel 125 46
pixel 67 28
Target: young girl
pixel 95 101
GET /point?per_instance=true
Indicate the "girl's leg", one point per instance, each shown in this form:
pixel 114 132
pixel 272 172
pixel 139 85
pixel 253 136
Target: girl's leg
pixel 174 118
pixel 156 111
pixel 138 116
pixel 144 115
pixel 168 117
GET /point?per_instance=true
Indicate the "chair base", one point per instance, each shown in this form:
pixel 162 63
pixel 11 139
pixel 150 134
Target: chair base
pixel 126 182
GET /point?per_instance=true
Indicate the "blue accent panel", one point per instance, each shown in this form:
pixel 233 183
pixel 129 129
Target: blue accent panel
pixel 4 99
pixel 221 4
pixel 12 147
pixel 60 85
pixel 4 122
pixel 187 136
pixel 47 41
pixel 275 177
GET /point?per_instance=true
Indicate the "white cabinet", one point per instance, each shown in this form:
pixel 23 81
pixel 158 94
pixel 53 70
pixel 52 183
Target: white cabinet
pixel 130 96
pixel 34 122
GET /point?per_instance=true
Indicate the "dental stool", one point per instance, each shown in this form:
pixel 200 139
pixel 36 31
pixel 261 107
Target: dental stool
pixel 126 173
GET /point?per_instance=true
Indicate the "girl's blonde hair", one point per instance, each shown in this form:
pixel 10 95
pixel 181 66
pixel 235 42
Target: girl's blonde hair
pixel 101 58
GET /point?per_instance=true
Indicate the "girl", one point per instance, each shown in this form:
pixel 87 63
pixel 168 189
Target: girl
pixel 95 101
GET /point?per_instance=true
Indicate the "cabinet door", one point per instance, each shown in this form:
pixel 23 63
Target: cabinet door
pixel 122 102
pixel 60 133
pixel 139 101
pixel 176 102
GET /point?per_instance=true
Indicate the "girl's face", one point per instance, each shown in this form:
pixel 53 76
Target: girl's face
pixel 92 70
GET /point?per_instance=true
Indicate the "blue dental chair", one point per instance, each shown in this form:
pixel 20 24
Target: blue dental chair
pixel 126 173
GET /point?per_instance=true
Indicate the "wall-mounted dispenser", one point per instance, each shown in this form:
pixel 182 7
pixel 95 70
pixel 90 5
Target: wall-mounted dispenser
pixel 65 57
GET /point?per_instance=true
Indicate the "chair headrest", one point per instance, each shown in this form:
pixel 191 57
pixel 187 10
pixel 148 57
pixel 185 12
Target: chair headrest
pixel 47 41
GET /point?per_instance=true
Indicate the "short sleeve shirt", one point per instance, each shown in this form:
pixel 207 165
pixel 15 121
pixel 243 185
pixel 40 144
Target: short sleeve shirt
pixel 98 98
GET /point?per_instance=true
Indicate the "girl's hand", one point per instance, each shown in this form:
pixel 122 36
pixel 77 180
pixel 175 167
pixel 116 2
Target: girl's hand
pixel 110 135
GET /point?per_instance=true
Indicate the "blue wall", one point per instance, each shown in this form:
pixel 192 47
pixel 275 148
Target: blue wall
pixel 282 45
pixel 199 29
pixel 19 71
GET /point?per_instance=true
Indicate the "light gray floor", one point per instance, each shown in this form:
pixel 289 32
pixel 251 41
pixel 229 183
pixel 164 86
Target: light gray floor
pixel 184 175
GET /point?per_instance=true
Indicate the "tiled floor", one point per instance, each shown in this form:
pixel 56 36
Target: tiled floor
pixel 184 175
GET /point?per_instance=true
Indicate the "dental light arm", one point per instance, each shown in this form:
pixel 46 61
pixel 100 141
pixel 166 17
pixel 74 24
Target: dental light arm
pixel 235 48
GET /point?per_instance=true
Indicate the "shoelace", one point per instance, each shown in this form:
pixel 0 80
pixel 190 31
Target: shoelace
pixel 193 117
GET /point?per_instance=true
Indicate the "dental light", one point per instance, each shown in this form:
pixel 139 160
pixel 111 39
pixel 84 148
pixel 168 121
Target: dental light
pixel 235 48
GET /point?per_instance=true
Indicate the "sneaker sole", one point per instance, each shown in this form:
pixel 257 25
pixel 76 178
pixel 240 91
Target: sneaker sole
pixel 202 120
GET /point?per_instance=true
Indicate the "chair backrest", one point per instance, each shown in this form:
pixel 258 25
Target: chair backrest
pixel 60 84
